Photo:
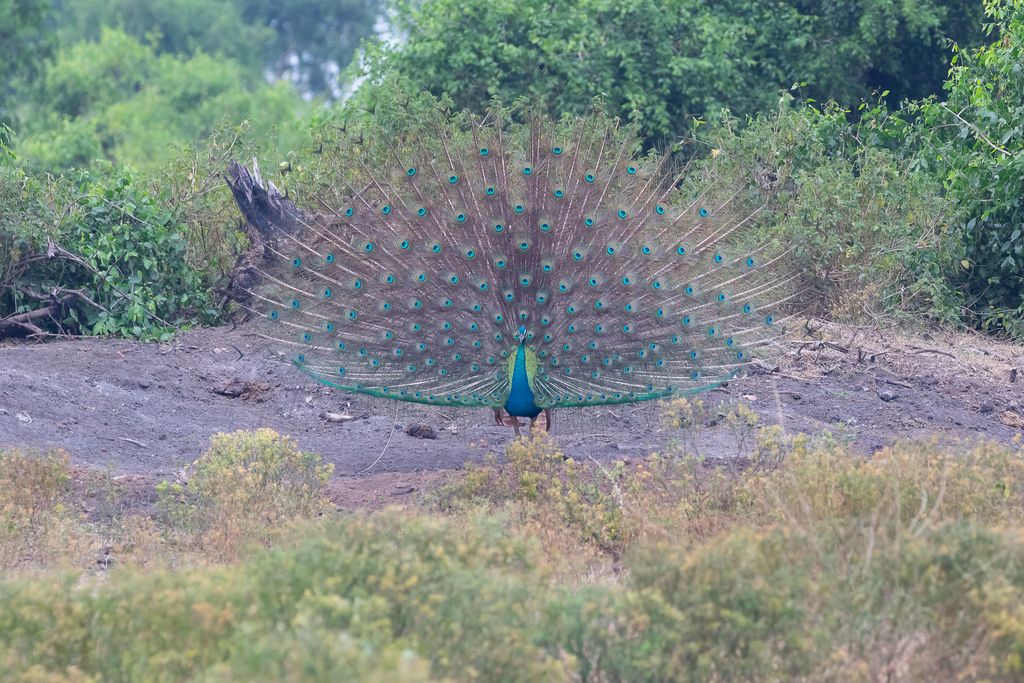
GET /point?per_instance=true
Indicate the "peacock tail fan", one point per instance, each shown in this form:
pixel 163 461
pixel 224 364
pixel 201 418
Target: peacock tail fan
pixel 634 279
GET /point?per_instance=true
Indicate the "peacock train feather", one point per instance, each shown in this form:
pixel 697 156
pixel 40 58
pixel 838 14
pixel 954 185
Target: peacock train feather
pixel 484 263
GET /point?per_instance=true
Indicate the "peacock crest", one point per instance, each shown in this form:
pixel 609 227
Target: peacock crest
pixel 449 249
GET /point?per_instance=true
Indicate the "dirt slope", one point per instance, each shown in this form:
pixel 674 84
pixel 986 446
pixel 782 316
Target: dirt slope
pixel 135 408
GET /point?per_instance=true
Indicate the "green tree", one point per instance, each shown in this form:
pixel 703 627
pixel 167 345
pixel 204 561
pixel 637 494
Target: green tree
pixel 313 39
pixel 179 27
pixel 119 100
pixel 670 60
pixel 24 43
pixel 304 41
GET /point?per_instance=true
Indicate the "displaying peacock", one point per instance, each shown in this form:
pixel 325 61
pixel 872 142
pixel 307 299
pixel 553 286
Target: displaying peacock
pixel 523 267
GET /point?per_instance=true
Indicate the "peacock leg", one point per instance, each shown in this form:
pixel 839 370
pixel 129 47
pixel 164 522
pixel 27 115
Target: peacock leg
pixel 515 425
pixel 498 419
pixel 547 420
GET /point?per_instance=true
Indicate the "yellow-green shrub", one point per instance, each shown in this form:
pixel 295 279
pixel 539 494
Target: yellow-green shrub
pixel 37 527
pixel 382 597
pixel 780 604
pixel 908 484
pixel 245 486
pixel 805 562
pixel 543 482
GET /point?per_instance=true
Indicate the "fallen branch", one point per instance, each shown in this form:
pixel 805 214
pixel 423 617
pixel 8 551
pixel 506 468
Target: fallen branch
pixel 24 320
pixel 941 353
pixel 818 345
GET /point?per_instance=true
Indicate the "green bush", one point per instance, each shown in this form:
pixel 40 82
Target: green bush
pixel 818 565
pixel 972 141
pixel 193 186
pixel 787 604
pixel 383 598
pixel 102 255
pixel 38 528
pixel 868 233
pixel 550 487
pixel 246 486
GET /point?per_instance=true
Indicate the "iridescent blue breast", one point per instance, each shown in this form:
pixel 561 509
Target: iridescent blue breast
pixel 520 397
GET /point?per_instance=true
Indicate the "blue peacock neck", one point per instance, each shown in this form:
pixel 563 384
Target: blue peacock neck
pixel 520 397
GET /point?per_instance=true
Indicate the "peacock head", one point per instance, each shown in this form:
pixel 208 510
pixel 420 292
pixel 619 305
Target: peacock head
pixel 521 334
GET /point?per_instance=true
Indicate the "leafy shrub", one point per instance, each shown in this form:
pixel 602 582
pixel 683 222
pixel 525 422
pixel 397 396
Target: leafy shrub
pixel 785 603
pixel 136 249
pixel 193 186
pixel 382 598
pixel 247 485
pixel 972 142
pixel 37 526
pixel 104 256
pixel 825 567
pixel 819 565
pixel 565 493
pixel 867 233
pixel 915 484
pixel 23 203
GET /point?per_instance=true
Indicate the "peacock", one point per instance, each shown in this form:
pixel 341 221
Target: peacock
pixel 521 264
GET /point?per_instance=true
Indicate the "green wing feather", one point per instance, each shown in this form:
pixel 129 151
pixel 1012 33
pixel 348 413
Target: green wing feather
pixel 450 233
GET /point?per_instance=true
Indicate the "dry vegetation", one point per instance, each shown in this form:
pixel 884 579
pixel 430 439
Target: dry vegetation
pixel 797 561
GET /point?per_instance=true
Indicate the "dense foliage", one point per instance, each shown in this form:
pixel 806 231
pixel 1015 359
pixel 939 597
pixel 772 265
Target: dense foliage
pixel 870 234
pixel 671 60
pixel 89 106
pixel 112 261
pixel 973 140
pixel 25 42
pixel 304 41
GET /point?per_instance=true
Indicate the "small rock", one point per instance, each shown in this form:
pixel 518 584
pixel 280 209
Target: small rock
pixel 795 396
pixel 145 383
pixel 3 411
pixel 235 387
pixel 750 397
pixel 421 431
pixel 887 396
pixel 232 388
pixel 342 417
pixel 403 490
pixel 986 408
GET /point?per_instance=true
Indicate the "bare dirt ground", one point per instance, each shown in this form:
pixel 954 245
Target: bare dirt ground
pixel 143 411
